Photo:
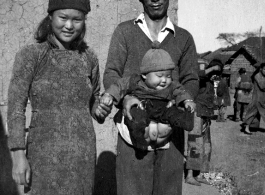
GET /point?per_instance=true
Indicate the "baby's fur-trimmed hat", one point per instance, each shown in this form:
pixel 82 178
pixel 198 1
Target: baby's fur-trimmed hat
pixel 156 59
pixel 81 5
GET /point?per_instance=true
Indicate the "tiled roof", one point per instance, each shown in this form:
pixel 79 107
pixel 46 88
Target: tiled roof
pixel 255 55
pixel 255 46
pixel 218 54
pixel 251 41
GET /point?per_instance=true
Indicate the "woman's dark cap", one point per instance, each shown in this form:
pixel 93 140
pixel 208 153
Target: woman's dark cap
pixel 81 5
pixel 217 62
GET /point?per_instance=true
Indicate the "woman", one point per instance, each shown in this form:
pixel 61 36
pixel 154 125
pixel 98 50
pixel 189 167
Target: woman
pixel 60 77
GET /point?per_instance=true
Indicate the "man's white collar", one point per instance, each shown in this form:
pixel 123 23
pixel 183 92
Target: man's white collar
pixel 169 25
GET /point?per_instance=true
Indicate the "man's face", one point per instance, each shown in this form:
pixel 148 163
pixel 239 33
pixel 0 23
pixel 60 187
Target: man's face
pixel 156 9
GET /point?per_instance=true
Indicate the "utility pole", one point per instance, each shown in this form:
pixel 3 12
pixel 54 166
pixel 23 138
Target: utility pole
pixel 260 43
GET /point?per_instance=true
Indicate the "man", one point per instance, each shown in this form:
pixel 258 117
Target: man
pixel 160 171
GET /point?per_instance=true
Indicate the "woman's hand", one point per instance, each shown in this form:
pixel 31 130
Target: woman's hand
pixel 128 102
pixel 102 111
pixel 21 169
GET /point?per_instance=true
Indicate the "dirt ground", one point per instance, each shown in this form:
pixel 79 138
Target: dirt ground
pixel 239 155
pixel 234 153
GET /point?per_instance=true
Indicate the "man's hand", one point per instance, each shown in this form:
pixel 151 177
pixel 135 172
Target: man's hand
pixel 128 102
pixel 102 111
pixel 190 105
pixel 21 169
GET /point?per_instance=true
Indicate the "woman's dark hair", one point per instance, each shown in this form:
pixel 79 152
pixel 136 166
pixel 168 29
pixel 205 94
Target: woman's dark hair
pixel 44 30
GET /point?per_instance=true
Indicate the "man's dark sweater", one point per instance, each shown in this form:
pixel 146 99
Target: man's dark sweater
pixel 129 44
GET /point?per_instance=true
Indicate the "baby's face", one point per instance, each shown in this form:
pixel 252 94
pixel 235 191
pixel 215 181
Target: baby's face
pixel 158 80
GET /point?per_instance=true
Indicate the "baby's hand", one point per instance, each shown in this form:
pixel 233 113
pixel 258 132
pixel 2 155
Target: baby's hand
pixel 151 132
pixel 171 103
pixel 190 105
pixel 106 99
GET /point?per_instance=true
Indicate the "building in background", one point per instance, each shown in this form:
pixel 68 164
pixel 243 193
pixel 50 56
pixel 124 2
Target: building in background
pixel 247 54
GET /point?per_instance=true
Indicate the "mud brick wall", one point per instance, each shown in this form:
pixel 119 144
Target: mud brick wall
pixel 19 19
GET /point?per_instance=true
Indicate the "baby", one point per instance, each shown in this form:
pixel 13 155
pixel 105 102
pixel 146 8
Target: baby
pixel 157 92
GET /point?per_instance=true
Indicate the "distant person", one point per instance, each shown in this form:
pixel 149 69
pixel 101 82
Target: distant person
pixel 256 108
pixel 199 139
pixel 223 99
pixel 243 95
pixel 156 91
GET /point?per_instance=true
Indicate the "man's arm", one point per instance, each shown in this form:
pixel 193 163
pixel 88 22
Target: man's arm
pixel 118 89
pixel 179 93
pixel 188 68
pixel 117 56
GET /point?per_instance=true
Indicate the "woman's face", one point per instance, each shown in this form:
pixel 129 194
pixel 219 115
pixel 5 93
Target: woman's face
pixel 67 25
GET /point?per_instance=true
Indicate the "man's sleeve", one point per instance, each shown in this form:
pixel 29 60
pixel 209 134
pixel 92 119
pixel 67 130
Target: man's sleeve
pixel 117 56
pixel 119 89
pixel 188 68
pixel 179 93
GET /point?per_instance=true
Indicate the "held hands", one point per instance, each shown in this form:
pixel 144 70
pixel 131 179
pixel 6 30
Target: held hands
pixel 106 99
pixel 21 169
pixel 190 105
pixel 104 107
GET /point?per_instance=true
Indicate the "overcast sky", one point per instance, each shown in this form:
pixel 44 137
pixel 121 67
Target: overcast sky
pixel 205 19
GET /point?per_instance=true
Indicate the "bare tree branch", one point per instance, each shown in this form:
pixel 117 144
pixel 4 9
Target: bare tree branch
pixel 230 39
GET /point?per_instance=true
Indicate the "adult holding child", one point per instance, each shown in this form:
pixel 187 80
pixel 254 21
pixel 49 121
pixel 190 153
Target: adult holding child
pixel 60 77
pixel 159 171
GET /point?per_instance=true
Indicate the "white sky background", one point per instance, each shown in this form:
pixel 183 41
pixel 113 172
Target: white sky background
pixel 205 19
